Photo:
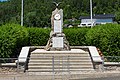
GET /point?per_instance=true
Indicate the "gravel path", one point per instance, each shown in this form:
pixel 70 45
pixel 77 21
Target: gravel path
pixel 7 70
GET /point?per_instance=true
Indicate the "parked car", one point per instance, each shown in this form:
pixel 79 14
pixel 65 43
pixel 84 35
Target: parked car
pixel 88 24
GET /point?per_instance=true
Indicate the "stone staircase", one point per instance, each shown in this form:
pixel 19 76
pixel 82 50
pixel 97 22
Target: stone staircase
pixel 60 62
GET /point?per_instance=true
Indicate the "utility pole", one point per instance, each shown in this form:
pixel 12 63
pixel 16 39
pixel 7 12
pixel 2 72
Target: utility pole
pixel 91 13
pixel 22 11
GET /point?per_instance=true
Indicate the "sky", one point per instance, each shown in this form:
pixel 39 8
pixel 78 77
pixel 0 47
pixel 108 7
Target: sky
pixel 3 0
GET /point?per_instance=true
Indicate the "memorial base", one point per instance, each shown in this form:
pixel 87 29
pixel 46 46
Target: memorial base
pixel 57 42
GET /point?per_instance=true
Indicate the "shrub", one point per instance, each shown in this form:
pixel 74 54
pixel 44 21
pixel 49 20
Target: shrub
pixel 12 38
pixel 106 37
pixel 76 36
pixel 38 36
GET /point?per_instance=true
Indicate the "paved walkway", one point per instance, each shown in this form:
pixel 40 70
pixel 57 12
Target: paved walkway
pixel 105 78
pixel 107 75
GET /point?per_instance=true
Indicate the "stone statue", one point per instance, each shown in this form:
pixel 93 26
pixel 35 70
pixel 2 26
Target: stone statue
pixel 57 40
pixel 56 11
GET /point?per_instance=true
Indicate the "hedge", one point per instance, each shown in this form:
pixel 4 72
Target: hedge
pixel 76 36
pixel 12 38
pixel 38 36
pixel 106 37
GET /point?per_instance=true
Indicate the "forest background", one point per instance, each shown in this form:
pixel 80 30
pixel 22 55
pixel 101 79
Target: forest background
pixel 37 13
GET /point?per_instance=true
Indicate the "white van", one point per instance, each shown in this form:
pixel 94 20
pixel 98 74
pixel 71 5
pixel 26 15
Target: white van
pixel 88 24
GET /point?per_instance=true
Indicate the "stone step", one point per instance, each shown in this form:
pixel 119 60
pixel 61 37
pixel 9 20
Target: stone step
pixel 72 51
pixel 58 54
pixel 63 62
pixel 60 67
pixel 58 61
pixel 60 58
pixel 58 70
pixel 50 64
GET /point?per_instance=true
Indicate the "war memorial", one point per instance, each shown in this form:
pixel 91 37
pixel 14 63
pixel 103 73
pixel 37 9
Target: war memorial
pixel 58 56
pixel 58 60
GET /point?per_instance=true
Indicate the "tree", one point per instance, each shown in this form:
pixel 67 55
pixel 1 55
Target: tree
pixel 37 13
pixel 117 16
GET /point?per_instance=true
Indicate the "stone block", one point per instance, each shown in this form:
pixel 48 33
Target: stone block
pixel 57 26
pixel 57 42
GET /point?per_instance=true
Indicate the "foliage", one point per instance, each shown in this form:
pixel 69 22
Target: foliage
pixel 38 36
pixel 12 37
pixel 37 13
pixel 76 36
pixel 117 14
pixel 106 37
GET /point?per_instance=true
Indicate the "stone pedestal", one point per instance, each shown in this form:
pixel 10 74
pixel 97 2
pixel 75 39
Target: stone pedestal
pixel 57 40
